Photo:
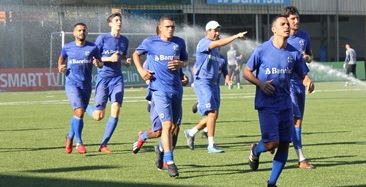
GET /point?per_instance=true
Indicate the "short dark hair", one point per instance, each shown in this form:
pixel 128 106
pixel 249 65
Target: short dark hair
pixel 116 14
pixel 80 23
pixel 165 18
pixel 276 18
pixel 290 10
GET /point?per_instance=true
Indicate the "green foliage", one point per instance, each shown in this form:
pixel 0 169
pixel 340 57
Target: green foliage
pixel 34 124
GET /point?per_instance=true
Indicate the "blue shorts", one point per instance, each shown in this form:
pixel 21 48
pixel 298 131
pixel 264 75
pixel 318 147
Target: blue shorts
pixel 108 88
pixel 154 118
pixel 208 96
pixel 78 96
pixel 276 125
pixel 168 106
pixel 298 103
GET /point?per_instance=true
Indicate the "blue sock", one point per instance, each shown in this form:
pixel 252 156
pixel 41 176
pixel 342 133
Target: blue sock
pixel 109 129
pixel 71 133
pixel 296 138
pixel 77 125
pixel 144 136
pixel 278 164
pixel 89 110
pixel 260 148
pixel 168 157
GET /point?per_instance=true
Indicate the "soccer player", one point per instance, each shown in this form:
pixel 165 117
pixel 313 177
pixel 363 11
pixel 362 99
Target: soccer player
pixel 274 63
pixel 109 85
pixel 76 62
pixel 165 56
pixel 301 41
pixel 350 61
pixel 206 87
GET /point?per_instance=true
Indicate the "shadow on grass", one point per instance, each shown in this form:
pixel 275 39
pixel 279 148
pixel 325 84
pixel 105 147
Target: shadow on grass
pixel 70 169
pixel 240 122
pixel 30 129
pixel 28 181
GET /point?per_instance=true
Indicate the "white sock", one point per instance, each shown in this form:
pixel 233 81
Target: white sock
pixel 211 141
pixel 192 131
pixel 300 155
pixel 205 129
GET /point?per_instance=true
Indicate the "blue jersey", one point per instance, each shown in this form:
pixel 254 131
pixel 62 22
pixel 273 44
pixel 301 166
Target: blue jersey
pixel 79 62
pixel 108 45
pixel 208 61
pixel 301 41
pixel 159 54
pixel 278 65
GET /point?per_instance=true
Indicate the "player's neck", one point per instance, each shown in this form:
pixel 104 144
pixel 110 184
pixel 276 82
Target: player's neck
pixel 279 42
pixel 115 33
pixel 79 42
pixel 164 38
pixel 293 31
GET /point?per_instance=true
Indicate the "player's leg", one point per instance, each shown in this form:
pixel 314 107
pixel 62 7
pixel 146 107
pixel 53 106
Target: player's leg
pixel 280 158
pixel 189 134
pixel 100 100
pixel 116 91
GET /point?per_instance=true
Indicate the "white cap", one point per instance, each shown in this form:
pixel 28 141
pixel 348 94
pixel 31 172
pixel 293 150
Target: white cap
pixel 212 25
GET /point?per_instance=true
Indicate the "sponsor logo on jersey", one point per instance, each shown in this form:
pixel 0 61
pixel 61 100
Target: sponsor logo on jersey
pixel 163 58
pixel 74 61
pixel 275 71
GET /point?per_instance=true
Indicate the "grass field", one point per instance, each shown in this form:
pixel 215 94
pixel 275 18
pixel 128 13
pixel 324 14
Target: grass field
pixel 34 124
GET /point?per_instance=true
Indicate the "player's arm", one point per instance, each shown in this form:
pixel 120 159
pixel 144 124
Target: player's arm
pixel 266 86
pixel 145 75
pixel 227 40
pixel 61 64
pixel 308 83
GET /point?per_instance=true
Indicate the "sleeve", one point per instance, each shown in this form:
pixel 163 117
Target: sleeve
pixel 63 53
pixel 183 51
pixel 97 53
pixel 143 47
pixel 308 46
pixel 126 49
pixel 254 60
pixel 99 43
pixel 346 60
pixel 301 69
pixel 224 67
pixel 203 45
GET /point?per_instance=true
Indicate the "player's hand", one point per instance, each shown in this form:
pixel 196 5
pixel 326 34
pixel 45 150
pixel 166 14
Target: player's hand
pixel 241 34
pixel 175 64
pixel 97 63
pixel 267 87
pixel 114 57
pixel 145 74
pixel 62 68
pixel 129 61
pixel 307 58
pixel 228 82
pixel 185 80
pixel 309 85
pixel 344 65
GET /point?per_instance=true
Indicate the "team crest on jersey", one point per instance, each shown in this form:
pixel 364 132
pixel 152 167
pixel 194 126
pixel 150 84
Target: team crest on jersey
pixel 302 43
pixel 175 47
pixel 290 59
pixel 87 53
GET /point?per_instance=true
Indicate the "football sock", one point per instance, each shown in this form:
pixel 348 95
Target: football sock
pixel 89 110
pixel 109 129
pixel 192 131
pixel 260 148
pixel 278 164
pixel 211 141
pixel 77 125
pixel 300 155
pixel 296 138
pixel 71 133
pixel 168 157
pixel 144 136
pixel 205 129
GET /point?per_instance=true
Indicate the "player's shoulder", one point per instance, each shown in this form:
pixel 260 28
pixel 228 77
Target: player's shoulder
pixel 69 45
pixel 90 44
pixel 303 34
pixel 264 46
pixel 124 38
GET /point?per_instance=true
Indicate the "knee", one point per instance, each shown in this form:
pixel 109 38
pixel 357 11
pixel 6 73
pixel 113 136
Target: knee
pixel 283 146
pixel 79 112
pixel 271 145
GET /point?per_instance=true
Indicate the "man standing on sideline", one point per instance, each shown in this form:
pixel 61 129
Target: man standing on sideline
pixel 233 65
pixel 109 85
pixel 301 41
pixel 76 61
pixel 274 63
pixel 165 56
pixel 206 87
pixel 350 61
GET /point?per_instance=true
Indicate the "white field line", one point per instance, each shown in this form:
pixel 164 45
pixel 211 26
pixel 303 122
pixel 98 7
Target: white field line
pixel 138 99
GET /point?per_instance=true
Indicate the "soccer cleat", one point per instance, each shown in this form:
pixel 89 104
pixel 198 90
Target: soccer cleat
pixel 204 135
pixel 173 170
pixel 68 146
pixel 104 149
pixel 253 160
pixel 81 149
pixel 214 149
pixel 305 165
pixel 194 107
pixel 138 144
pixel 190 139
pixel 159 157
pixel 271 185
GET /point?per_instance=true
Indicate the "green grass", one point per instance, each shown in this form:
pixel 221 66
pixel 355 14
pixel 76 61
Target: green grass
pixel 33 126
